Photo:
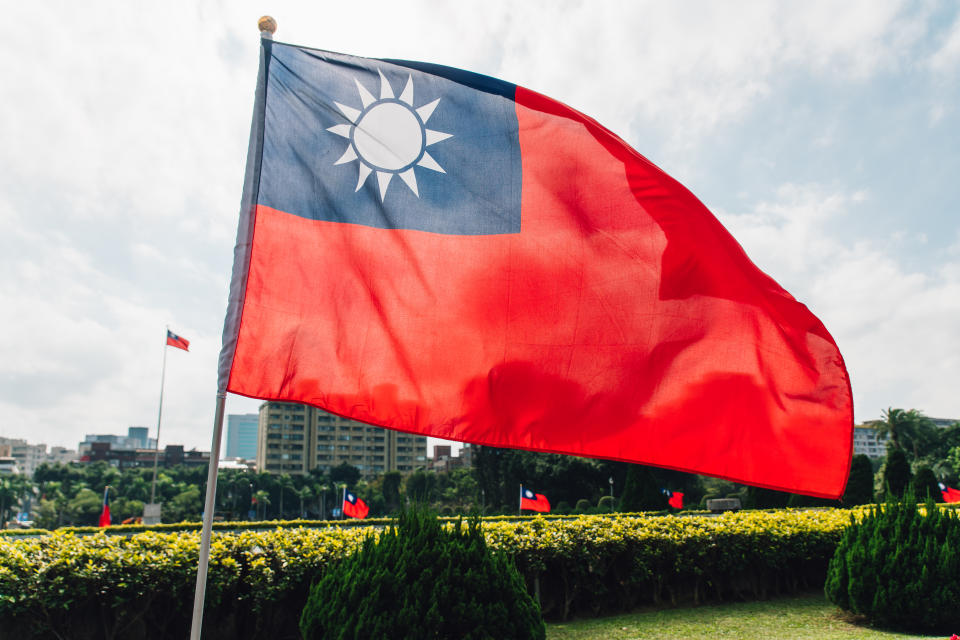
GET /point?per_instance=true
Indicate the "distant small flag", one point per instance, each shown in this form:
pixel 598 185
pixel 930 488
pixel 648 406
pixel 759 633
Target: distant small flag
pixel 533 501
pixel 949 494
pixel 354 506
pixel 105 513
pixel 674 498
pixel 173 340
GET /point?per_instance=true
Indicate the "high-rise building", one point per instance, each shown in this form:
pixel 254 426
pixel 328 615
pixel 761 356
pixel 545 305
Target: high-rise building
pixel 295 438
pixel 141 435
pixel 242 436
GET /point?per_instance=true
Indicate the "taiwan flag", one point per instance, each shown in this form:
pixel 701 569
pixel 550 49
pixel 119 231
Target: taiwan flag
pixel 173 340
pixel 533 501
pixel 354 506
pixel 949 494
pixel 105 511
pixel 674 498
pixel 447 254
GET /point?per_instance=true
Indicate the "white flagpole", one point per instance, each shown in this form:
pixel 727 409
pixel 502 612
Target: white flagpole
pixel 208 507
pixel 267 26
pixel 520 505
pixel 156 445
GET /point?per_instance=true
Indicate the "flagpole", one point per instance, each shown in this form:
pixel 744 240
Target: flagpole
pixel 208 507
pixel 267 26
pixel 520 506
pixel 156 444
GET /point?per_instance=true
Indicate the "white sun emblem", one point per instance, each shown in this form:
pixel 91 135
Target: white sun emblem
pixel 388 136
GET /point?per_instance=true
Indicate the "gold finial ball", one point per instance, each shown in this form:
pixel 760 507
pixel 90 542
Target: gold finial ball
pixel 267 23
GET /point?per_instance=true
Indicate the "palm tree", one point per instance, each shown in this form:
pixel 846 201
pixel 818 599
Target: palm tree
pixel 907 430
pixel 305 493
pixel 263 498
pixel 284 482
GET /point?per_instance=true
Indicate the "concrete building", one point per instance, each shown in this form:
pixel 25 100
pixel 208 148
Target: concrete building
pixel 295 439
pixel 867 441
pixel 170 455
pixel 242 436
pixel 136 438
pixel 28 456
pixel 8 466
pixel 62 455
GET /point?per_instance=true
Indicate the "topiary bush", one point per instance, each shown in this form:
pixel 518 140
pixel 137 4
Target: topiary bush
pixel 900 567
pixel 421 579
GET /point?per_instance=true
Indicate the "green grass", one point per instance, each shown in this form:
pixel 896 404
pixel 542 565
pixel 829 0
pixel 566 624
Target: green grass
pixel 805 617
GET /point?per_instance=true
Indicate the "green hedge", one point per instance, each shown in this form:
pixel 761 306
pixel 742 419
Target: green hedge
pixel 141 586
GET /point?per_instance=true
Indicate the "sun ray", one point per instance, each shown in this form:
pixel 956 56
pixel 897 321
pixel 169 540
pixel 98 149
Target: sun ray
pixel 427 110
pixel 364 172
pixel 386 92
pixel 351 113
pixel 365 96
pixel 383 179
pixel 436 136
pixel 427 162
pixel 411 180
pixel 341 130
pixel 347 156
pixel 407 95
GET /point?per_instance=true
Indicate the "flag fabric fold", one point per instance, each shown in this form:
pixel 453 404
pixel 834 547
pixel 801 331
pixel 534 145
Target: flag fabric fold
pixel 173 340
pixel 354 507
pixel 533 501
pixel 105 510
pixel 447 254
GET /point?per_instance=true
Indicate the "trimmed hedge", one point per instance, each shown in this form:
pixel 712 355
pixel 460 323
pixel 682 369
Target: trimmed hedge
pixel 141 586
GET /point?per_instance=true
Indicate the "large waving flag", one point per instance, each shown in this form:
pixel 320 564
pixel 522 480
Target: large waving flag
pixel 448 254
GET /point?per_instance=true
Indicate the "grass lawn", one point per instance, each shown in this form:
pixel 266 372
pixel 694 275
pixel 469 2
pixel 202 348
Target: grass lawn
pixel 805 617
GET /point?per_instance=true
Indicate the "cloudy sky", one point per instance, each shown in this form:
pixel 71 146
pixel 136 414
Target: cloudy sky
pixel 824 135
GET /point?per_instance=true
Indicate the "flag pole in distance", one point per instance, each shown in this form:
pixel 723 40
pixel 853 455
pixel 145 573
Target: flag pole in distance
pixel 156 445
pixel 268 27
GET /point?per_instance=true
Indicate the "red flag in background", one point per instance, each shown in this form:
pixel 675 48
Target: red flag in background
pixel 354 506
pixel 173 340
pixel 533 501
pixel 105 512
pixel 674 498
pixel 448 254
pixel 949 494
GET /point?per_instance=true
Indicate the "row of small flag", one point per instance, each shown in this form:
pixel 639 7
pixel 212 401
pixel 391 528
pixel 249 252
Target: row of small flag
pixel 355 507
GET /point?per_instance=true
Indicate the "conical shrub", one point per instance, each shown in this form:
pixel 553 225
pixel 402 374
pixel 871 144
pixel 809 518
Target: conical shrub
pixel 899 566
pixel 419 579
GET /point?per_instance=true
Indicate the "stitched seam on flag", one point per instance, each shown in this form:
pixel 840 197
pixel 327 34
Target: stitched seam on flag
pixel 255 197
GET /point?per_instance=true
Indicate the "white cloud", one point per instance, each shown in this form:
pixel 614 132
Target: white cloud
pixel 896 327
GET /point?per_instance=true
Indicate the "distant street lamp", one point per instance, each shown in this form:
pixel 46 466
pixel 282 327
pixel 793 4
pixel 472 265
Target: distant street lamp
pixel 611 487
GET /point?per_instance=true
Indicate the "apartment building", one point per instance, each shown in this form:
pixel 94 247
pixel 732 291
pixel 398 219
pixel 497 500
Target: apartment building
pixel 295 438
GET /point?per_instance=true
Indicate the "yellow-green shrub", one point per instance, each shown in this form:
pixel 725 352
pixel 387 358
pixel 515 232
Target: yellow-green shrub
pixel 141 585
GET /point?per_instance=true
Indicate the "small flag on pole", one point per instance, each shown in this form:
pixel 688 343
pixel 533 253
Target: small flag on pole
pixel 674 498
pixel 533 501
pixel 354 506
pixel 173 340
pixel 949 494
pixel 105 512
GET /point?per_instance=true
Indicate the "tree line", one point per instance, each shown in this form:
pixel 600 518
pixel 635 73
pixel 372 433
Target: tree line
pixel 919 454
